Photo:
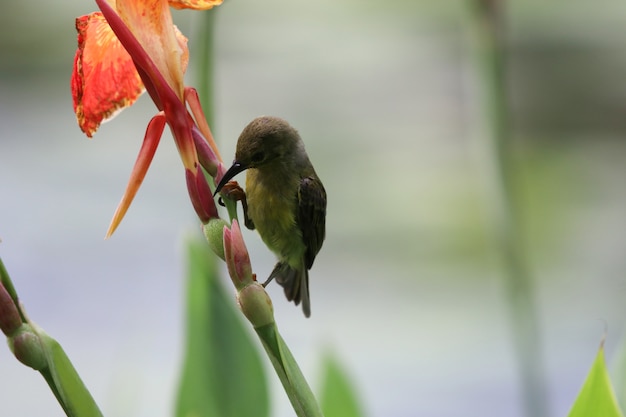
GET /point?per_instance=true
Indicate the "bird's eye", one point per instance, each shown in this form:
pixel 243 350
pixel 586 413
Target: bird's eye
pixel 258 157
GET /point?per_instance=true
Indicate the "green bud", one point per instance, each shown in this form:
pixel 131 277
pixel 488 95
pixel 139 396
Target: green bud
pixel 27 348
pixel 256 305
pixel 214 233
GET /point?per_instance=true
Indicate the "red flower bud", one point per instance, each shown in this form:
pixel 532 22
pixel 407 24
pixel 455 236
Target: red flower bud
pixel 10 319
pixel 237 258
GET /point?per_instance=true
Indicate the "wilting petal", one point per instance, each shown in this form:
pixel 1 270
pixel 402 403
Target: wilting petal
pixel 194 4
pixel 192 98
pixel 206 156
pixel 182 44
pixel 104 78
pixel 148 148
pixel 150 22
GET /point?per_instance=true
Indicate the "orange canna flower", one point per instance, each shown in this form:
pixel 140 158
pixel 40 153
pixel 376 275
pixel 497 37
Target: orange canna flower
pixel 130 46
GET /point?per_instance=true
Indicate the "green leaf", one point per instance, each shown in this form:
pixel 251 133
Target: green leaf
pixel 596 397
pixel 65 381
pixel 222 373
pixel 338 398
pixel 300 395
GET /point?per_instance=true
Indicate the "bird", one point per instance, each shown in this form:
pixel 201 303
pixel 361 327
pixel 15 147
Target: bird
pixel 285 201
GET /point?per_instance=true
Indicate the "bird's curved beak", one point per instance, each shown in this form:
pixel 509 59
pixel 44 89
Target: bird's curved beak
pixel 235 169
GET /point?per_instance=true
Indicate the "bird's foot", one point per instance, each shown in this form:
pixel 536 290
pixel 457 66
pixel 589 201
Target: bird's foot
pixel 232 191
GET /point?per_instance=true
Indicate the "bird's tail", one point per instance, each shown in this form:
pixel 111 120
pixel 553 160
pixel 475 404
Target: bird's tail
pixel 295 282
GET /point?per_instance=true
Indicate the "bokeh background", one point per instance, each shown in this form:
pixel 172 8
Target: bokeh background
pixel 407 290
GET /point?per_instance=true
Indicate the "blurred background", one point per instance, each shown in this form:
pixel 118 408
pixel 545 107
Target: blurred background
pixel 408 290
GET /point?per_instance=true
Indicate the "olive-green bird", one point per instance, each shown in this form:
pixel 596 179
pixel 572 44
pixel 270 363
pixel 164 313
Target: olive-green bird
pixel 286 201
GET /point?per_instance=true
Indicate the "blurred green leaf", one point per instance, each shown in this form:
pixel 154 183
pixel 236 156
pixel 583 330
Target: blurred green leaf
pixel 65 381
pixel 222 373
pixel 596 397
pixel 338 397
pixel 300 395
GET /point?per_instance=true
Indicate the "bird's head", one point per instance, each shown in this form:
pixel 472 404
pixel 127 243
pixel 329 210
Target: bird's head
pixel 266 139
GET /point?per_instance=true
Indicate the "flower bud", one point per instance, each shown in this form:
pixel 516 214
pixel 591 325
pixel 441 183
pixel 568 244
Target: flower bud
pixel 256 305
pixel 214 233
pixel 201 195
pixel 237 258
pixel 27 348
pixel 10 319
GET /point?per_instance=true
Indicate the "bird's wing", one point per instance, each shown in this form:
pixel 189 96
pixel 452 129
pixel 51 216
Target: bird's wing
pixel 312 216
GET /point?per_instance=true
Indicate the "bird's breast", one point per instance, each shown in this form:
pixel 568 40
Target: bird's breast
pixel 272 205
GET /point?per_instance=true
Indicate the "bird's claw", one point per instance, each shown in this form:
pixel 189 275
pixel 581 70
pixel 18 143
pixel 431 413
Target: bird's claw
pixel 233 191
pixel 267 281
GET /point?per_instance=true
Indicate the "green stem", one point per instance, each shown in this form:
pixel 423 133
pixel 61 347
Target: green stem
pixel 487 22
pixel 51 384
pixel 300 395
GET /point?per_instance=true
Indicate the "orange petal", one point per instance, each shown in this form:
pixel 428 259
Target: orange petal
pixel 194 4
pixel 104 78
pixel 150 22
pixel 182 44
pixel 192 98
pixel 146 153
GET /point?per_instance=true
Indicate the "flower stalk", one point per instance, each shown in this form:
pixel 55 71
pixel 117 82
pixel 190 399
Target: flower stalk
pixel 487 24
